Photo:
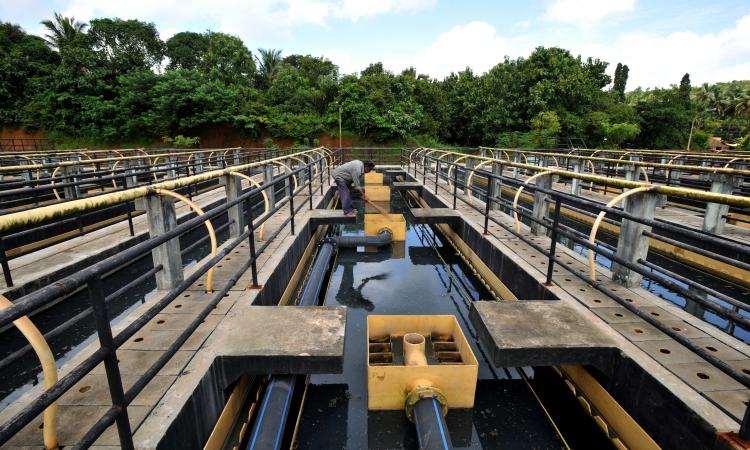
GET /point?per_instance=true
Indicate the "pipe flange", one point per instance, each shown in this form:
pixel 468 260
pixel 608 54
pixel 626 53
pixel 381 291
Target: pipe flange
pixel 328 240
pixel 385 230
pixel 422 392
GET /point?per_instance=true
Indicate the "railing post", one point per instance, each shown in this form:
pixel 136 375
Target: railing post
pixel 541 209
pixel 437 175
pixel 268 180
pixel 553 241
pixel 516 159
pixel 715 216
pixel 575 183
pixel 71 176
pixel 161 216
pixel 497 184
pixel 632 245
pixel 233 190
pixel 114 380
pixel 291 212
pixel 488 202
pixel 309 183
pixel 455 184
pixel 469 165
pixel 4 263
pixel 251 242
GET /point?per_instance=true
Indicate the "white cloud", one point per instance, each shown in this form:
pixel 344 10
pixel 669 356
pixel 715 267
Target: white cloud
pixel 661 60
pixel 250 19
pixel 476 45
pixel 585 12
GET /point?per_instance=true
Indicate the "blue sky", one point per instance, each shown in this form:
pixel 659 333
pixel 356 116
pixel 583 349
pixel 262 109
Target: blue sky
pixel 658 40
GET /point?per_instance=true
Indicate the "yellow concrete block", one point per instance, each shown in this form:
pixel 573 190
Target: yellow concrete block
pixel 377 193
pixel 388 385
pixel 374 178
pixel 373 208
pixel 395 223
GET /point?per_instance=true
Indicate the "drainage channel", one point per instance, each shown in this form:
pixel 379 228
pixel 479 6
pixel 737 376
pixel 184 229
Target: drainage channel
pixel 514 407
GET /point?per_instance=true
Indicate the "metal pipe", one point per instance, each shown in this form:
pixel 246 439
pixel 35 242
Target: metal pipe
pixel 429 420
pixel 49 367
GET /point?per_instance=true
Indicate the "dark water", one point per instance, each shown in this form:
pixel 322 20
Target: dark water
pixel 416 278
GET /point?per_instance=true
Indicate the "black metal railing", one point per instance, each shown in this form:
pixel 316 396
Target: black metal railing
pixel 437 170
pixel 91 280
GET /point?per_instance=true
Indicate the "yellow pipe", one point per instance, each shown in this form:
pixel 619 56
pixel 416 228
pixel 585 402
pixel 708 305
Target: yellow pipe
pixel 695 194
pixel 294 177
pixel 43 213
pixel 690 168
pixel 414 347
pixel 266 202
pixel 450 169
pixel 518 194
pixel 49 369
pixel 54 190
pixel 733 160
pixel 469 196
pixel 114 166
pixel 598 221
pixel 209 227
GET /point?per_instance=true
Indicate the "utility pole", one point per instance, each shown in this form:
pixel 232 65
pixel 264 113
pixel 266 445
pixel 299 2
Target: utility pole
pixel 690 136
pixel 339 125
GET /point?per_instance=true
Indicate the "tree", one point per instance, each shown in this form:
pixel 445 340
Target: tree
pixel 617 133
pixel 26 63
pixel 186 50
pixel 685 87
pixel 227 59
pixel 621 80
pixel 269 61
pixel 62 30
pixel 125 45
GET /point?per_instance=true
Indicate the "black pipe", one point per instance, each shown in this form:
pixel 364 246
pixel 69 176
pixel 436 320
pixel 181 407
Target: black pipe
pixel 274 411
pixel 430 423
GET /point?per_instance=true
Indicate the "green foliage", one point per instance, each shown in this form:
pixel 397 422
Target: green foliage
pixel 104 84
pixel 26 63
pixel 700 140
pixel 621 80
pixel 185 50
pixel 181 141
pixel 617 133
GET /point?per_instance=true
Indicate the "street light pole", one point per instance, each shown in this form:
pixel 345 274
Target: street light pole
pixel 339 126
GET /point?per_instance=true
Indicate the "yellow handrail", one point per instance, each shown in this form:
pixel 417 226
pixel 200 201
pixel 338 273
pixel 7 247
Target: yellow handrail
pixel 209 227
pixel 49 369
pixel 43 213
pixel 598 221
pixel 518 194
pixel 266 202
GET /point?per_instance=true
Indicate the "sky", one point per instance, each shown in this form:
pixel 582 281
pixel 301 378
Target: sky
pixel 659 40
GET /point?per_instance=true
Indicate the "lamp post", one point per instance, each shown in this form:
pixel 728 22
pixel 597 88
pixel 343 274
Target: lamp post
pixel 339 123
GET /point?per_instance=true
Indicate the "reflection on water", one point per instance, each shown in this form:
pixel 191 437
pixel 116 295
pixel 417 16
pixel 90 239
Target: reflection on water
pixel 413 279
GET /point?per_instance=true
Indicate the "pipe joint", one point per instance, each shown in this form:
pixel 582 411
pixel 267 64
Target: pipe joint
pixel 421 392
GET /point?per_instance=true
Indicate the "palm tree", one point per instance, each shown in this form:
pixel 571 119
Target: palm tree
pixel 741 104
pixel 269 62
pixel 62 30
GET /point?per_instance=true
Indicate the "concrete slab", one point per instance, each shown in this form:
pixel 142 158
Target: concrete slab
pixel 704 377
pixel 668 352
pixel 282 339
pixel 406 186
pixel 616 314
pixel 733 402
pixel 543 333
pixel 136 362
pixel 330 217
pixel 639 331
pixel 436 215
pixel 720 350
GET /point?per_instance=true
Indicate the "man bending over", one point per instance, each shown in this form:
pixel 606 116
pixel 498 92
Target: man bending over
pixel 347 175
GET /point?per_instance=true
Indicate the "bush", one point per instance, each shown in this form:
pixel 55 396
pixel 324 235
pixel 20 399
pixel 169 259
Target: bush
pixel 181 141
